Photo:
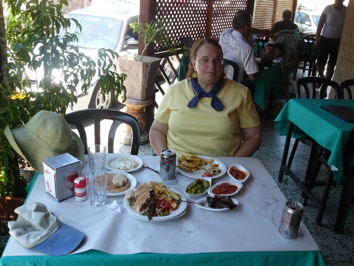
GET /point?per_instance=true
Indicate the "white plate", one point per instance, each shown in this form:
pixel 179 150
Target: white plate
pixel 199 173
pixel 173 215
pixel 238 184
pixel 116 156
pixel 241 168
pixel 131 179
pixel 203 204
pixel 201 194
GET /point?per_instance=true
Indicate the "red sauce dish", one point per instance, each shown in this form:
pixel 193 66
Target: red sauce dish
pixel 238 173
pixel 225 188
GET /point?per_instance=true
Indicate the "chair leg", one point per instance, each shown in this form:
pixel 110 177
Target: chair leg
pixel 345 201
pixel 325 194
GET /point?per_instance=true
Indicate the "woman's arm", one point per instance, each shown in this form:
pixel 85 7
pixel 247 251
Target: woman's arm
pixel 252 141
pixel 158 136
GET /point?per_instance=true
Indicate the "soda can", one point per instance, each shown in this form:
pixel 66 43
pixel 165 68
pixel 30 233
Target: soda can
pixel 291 219
pixel 168 164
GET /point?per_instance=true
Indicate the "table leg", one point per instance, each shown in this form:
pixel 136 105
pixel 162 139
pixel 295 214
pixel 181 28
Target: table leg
pixel 285 152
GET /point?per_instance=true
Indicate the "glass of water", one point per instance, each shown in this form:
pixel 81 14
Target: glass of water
pixel 97 157
pixel 97 185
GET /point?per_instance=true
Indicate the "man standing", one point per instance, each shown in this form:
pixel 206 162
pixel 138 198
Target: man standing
pixel 236 48
pixel 286 23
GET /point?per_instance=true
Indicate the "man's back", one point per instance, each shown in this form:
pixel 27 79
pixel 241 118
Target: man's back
pixel 236 48
pixel 285 24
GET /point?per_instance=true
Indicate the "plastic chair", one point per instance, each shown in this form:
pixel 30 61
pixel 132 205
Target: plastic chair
pixel 348 187
pixel 234 65
pixel 307 55
pixel 260 45
pixel 345 85
pixel 310 90
pixel 82 118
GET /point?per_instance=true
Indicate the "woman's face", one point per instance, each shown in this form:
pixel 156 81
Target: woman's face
pixel 208 64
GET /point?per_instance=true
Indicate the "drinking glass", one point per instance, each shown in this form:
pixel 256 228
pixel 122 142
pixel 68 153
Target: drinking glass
pixel 97 157
pixel 97 185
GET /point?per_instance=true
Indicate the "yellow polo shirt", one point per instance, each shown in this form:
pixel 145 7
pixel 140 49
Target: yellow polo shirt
pixel 202 130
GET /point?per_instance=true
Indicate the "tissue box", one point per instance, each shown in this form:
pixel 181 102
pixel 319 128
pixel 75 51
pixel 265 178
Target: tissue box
pixel 59 174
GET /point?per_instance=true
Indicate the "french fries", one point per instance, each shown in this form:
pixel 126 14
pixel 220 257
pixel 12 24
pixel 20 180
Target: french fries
pixel 192 163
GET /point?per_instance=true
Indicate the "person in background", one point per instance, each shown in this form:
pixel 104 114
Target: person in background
pixel 327 43
pixel 236 48
pixel 286 23
pixel 207 114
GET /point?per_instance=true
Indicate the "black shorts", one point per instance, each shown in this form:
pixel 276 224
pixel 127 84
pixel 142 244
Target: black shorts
pixel 327 47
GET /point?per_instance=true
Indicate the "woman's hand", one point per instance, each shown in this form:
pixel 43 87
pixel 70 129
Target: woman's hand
pixel 252 138
pixel 158 136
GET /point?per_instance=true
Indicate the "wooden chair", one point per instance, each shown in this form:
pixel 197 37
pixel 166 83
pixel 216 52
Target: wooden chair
pixel 84 118
pixel 235 67
pixel 346 88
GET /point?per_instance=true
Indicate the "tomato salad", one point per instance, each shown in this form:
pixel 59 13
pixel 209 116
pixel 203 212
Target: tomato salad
pixel 213 170
pixel 162 207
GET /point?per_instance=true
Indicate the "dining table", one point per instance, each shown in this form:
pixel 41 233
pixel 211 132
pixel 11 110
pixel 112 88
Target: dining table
pixel 245 235
pixel 301 118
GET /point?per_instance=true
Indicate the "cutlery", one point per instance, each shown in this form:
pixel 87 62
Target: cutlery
pixel 152 169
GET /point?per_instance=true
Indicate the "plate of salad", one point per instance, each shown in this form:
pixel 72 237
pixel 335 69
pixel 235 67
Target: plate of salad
pixel 212 170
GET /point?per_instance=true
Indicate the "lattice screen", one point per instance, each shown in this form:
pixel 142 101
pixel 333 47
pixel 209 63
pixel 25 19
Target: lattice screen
pixel 190 17
pixel 267 12
pixel 223 14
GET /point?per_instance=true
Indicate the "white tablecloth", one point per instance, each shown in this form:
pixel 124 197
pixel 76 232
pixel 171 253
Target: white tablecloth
pixel 252 226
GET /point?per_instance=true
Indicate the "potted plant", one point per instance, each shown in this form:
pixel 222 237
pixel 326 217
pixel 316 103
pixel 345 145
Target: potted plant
pixel 142 70
pixel 42 42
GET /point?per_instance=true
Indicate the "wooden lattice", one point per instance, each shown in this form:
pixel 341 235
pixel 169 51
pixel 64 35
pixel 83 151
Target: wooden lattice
pixel 196 18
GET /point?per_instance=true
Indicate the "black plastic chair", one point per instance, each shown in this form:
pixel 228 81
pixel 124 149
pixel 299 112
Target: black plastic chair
pixel 346 88
pixel 307 55
pixel 84 118
pixel 348 187
pixel 309 85
pixel 234 65
pixel 260 44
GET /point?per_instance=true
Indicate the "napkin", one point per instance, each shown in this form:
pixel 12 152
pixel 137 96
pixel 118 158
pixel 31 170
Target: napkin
pixel 115 206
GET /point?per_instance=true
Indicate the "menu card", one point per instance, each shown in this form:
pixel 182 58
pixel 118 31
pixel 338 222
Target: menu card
pixel 343 112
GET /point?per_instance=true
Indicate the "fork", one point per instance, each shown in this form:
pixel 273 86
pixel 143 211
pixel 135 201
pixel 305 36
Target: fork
pixel 152 169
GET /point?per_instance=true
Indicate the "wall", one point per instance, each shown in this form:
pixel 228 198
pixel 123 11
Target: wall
pixel 345 63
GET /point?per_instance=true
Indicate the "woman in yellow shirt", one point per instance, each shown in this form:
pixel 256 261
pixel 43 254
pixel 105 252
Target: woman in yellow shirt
pixel 207 114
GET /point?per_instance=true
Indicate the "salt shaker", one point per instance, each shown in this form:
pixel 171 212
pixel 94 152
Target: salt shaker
pixel 80 188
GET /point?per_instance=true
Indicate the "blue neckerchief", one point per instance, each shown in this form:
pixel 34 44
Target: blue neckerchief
pixel 215 102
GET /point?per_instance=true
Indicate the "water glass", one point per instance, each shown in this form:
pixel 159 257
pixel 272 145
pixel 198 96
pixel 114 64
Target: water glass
pixel 97 185
pixel 97 157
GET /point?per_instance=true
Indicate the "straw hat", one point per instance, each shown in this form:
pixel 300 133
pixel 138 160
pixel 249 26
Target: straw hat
pixel 47 134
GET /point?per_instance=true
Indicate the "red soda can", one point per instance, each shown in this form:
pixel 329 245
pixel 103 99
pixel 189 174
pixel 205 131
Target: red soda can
pixel 291 219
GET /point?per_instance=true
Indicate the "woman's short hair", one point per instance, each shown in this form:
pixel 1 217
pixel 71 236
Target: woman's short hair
pixel 241 19
pixel 194 50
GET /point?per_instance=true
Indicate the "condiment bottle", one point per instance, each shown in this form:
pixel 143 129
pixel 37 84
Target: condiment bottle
pixel 80 188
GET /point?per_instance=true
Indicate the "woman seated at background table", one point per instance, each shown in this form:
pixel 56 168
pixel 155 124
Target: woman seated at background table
pixel 207 114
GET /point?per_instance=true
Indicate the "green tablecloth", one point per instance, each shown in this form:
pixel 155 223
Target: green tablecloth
pixel 94 257
pixel 267 83
pixel 329 131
